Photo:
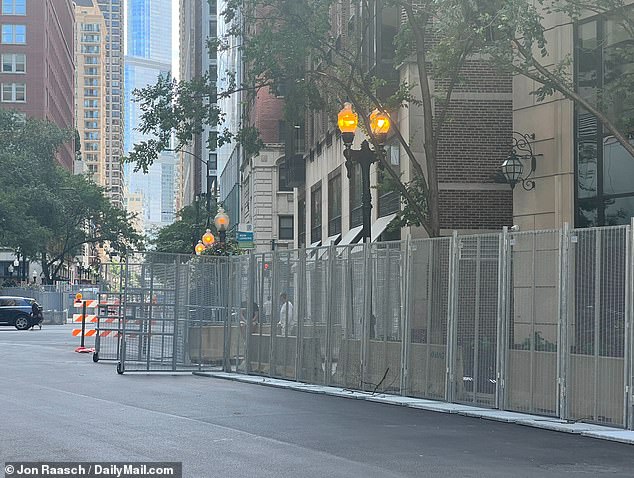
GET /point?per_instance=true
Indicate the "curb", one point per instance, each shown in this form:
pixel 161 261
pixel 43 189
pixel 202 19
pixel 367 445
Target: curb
pixel 536 421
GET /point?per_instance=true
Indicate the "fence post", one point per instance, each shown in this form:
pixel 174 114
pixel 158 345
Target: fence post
pixel 329 311
pixel 301 312
pixel 250 312
pixel 452 297
pixel 367 309
pixel 502 325
pixel 275 309
pixel 177 307
pixel 225 282
pixel 562 348
pixel 406 279
pixel 628 352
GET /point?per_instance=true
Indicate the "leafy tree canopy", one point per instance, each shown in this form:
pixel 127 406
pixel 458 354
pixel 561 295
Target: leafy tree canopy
pixel 290 46
pixel 46 212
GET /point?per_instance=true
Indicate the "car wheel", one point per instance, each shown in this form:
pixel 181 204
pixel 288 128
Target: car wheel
pixel 22 323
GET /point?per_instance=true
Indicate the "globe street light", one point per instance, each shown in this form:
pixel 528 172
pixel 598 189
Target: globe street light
pixel 347 121
pixel 208 238
pixel 221 221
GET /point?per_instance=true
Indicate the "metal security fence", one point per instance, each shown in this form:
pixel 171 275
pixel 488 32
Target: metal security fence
pixel 537 322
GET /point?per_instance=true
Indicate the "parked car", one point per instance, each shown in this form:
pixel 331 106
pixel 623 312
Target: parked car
pixel 21 312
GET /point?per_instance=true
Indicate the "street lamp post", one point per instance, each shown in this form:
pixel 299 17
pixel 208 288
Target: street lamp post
pixel 221 221
pixel 347 121
pixel 207 184
pixel 16 267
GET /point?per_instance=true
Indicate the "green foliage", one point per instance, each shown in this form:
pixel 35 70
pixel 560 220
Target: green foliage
pixel 181 236
pixel 229 248
pixel 45 211
pixel 294 52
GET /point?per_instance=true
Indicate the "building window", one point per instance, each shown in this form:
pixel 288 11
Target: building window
pixel 356 197
pixel 91 60
pixel 604 192
pixel 14 7
pixel 13 92
pixel 389 197
pixel 14 63
pixel 91 71
pixel 90 48
pixel 286 228
pixel 91 82
pixel 315 214
pixel 91 125
pixel 14 34
pixel 91 92
pixel 90 27
pixel 91 104
pixel 213 161
pixel 282 175
pixel 301 222
pixel 334 205
pixel 92 135
pixel 91 38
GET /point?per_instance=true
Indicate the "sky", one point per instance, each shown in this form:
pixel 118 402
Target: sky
pixel 175 34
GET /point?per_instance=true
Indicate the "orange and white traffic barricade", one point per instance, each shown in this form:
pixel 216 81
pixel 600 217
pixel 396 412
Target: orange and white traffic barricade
pixel 87 317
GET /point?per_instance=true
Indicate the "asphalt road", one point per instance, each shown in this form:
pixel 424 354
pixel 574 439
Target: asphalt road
pixel 58 405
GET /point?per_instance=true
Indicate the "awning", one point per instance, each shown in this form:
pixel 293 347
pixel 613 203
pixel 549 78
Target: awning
pixel 328 242
pixel 311 248
pixel 380 225
pixel 350 236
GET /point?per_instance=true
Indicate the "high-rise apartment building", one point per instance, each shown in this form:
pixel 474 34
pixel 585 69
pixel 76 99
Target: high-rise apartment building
pixel 230 155
pixel 197 23
pixel 37 65
pixel 90 89
pixel 112 12
pixel 149 55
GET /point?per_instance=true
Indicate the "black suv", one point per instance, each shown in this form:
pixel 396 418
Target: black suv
pixel 21 312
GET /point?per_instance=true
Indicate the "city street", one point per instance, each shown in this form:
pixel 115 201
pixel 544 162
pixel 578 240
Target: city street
pixel 58 405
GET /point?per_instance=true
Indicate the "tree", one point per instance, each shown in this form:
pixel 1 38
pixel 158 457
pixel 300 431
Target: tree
pixel 47 212
pixel 182 235
pixel 293 49
pixel 524 26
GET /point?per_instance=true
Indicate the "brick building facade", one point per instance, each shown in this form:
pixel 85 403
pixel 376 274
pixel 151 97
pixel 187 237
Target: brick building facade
pixel 37 65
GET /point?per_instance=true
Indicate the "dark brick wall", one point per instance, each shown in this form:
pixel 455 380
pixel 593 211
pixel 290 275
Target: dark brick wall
pixel 478 76
pixel 267 112
pixel 475 140
pixel 475 209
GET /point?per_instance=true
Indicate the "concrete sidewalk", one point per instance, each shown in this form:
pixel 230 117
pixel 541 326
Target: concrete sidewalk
pixel 547 423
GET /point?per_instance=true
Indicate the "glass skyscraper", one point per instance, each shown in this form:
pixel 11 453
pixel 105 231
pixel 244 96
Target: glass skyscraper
pixel 148 55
